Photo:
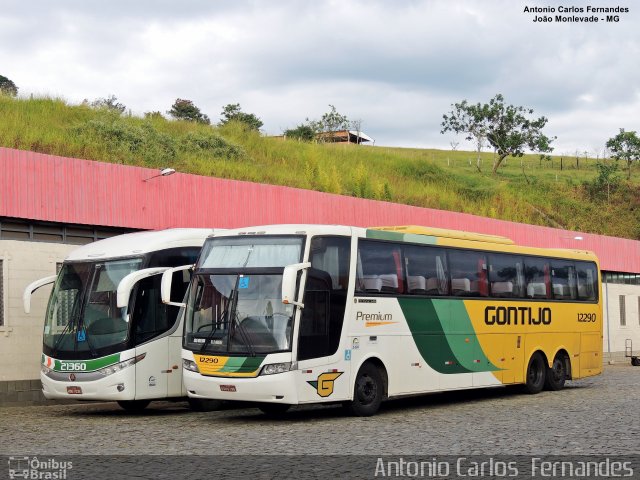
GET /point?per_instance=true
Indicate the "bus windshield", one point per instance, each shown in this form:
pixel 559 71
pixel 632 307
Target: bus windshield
pixel 238 314
pixel 241 311
pixel 82 315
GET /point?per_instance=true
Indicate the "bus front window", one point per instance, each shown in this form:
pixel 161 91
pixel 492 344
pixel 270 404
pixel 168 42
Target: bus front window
pixel 235 302
pixel 82 315
pixel 238 314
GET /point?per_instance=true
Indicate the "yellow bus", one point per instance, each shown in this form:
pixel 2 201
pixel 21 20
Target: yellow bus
pixel 296 314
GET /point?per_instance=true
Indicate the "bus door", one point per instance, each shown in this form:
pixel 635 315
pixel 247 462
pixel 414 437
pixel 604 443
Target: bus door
pixel 151 322
pixel 321 366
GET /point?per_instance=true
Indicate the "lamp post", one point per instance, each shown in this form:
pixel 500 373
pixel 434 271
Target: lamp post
pixel 164 172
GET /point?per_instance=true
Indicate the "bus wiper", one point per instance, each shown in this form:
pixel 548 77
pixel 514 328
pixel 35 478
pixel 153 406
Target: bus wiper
pixel 245 336
pixel 207 340
pixel 93 351
pixel 54 350
pixel 220 318
pixel 233 314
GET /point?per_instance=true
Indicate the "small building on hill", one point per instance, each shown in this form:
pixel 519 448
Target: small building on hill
pixel 344 136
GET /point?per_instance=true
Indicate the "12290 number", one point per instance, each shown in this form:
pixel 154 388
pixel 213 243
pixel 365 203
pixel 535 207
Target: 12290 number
pixel 586 317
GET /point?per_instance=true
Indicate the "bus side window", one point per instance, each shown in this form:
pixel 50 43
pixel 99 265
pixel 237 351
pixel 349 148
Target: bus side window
pixel 587 281
pixel 382 269
pixel 536 274
pixel 563 280
pixel 468 273
pixel 426 269
pixel 506 276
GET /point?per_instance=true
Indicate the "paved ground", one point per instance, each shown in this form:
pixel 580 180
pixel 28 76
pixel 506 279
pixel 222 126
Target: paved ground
pixel 599 415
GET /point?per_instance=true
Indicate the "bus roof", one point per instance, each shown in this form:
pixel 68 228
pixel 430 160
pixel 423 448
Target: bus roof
pixel 442 232
pixel 139 243
pixel 416 234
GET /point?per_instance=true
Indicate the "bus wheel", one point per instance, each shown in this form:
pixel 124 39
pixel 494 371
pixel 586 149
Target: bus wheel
pixel 535 374
pixel 368 391
pixel 274 409
pixel 134 406
pixel 203 405
pixel 556 375
pixel 635 361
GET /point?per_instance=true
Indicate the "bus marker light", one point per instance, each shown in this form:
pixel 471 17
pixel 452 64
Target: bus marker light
pixel 307 371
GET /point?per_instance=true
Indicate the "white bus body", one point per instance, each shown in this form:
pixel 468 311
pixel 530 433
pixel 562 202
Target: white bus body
pixel 102 342
pixel 296 314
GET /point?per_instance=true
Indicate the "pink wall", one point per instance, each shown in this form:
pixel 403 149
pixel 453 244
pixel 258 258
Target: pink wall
pixel 59 189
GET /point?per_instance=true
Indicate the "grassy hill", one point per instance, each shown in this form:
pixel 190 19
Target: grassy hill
pixel 526 190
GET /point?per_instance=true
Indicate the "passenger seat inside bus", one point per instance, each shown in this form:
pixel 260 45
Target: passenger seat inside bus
pixel 381 283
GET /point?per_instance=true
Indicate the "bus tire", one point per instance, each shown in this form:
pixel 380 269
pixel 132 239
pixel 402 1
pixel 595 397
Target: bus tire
pixel 274 410
pixel 367 391
pixel 557 374
pixel 635 361
pixel 535 374
pixel 134 406
pixel 203 404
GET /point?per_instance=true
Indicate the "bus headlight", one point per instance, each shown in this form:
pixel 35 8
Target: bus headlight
pixel 111 369
pixel 274 368
pixel 44 369
pixel 190 365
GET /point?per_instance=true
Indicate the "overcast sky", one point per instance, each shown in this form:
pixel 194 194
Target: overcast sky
pixel 397 65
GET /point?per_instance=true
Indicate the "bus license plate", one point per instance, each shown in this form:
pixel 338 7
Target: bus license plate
pixel 74 390
pixel 228 388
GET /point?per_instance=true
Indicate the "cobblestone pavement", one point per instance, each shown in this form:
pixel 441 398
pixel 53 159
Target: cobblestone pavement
pixel 597 415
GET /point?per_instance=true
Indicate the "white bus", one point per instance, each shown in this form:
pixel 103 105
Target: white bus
pixel 101 343
pixel 295 314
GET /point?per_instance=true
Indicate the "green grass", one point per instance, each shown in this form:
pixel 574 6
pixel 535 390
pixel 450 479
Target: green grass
pixel 449 180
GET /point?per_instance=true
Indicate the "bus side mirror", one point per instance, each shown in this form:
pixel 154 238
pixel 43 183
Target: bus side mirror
pixel 289 281
pixel 165 287
pixel 128 282
pixel 32 287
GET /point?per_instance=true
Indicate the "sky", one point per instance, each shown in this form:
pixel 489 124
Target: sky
pixel 395 65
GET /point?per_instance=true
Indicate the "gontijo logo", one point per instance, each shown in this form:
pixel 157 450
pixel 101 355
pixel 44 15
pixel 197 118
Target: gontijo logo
pixel 324 383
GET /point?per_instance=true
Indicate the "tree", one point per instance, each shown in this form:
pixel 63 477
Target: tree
pixel 7 87
pixel 625 146
pixel 302 132
pixel 185 110
pixel 330 122
pixel 233 112
pixel 505 127
pixel 109 103
pixel 607 178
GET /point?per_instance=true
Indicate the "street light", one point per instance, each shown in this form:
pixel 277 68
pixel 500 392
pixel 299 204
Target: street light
pixel 164 172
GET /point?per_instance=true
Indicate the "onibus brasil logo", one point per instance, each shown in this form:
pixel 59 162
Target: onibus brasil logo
pixel 33 468
pixel 324 383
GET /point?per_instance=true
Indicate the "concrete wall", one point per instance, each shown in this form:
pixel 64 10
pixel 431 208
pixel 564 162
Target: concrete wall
pixel 21 335
pixel 614 333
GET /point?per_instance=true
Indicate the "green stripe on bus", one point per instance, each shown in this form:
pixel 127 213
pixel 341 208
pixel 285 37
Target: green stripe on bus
pixel 242 364
pixel 427 332
pixel 90 365
pixel 402 237
pixel 461 336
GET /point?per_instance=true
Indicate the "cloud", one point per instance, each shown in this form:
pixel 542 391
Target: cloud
pixel 397 65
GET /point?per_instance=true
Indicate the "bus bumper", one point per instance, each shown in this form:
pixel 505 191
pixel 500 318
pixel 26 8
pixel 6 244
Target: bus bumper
pixel 118 386
pixel 278 388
